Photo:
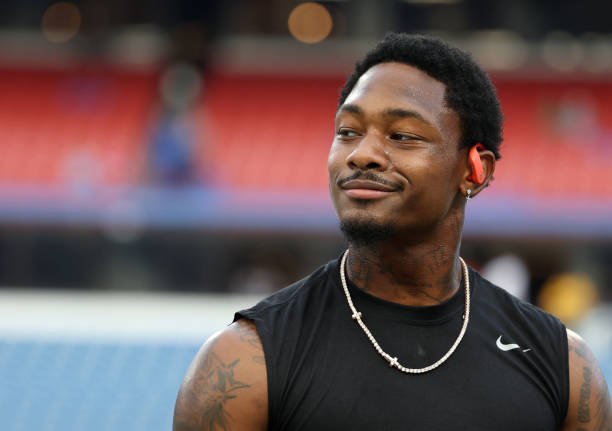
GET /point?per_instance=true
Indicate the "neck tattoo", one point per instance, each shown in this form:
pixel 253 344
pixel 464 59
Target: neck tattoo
pixel 393 361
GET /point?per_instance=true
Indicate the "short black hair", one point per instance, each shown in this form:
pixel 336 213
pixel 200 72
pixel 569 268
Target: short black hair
pixel 469 91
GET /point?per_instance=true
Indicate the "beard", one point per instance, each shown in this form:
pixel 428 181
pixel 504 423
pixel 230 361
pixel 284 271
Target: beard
pixel 363 233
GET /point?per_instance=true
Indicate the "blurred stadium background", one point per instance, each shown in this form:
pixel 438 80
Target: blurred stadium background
pixel 164 164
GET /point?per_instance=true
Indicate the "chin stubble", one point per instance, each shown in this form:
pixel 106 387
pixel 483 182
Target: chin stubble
pixel 366 232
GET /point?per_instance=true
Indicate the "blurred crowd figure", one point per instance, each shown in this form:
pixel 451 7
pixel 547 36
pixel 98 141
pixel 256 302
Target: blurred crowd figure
pixel 262 270
pixel 173 149
pixel 510 272
pixel 578 120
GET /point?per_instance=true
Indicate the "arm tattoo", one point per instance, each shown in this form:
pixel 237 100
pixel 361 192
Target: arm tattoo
pixel 259 359
pixel 248 333
pixel 604 411
pixel 214 386
pixel 580 349
pixel 594 412
pixel 584 414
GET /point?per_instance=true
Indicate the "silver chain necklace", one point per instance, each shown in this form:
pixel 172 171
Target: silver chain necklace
pixel 393 361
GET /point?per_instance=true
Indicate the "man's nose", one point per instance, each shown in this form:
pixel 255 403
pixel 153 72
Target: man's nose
pixel 369 153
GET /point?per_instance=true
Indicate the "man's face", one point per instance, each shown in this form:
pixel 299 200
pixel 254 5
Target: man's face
pixel 395 158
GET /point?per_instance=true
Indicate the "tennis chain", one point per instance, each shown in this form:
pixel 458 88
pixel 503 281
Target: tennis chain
pixel 393 361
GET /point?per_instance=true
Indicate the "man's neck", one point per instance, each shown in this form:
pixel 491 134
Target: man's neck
pixel 420 273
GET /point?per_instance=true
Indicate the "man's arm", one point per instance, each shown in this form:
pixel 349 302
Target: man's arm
pixel 225 387
pixel 589 402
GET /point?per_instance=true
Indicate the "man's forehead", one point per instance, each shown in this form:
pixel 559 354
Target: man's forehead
pixel 403 84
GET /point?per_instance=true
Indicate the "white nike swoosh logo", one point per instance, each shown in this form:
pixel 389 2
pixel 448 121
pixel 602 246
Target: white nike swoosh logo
pixel 505 347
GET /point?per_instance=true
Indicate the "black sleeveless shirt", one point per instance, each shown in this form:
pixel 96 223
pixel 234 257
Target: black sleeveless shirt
pixel 324 374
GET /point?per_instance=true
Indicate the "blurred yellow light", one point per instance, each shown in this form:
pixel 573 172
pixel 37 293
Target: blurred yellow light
pixel 61 22
pixel 568 296
pixel 310 22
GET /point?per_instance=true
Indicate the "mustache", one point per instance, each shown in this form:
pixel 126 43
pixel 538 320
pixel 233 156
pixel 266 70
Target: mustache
pixel 370 176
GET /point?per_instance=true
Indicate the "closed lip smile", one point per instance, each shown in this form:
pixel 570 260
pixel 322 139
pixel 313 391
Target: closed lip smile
pixel 365 189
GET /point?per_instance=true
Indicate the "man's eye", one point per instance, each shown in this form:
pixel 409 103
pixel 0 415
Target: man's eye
pixel 347 133
pixel 403 137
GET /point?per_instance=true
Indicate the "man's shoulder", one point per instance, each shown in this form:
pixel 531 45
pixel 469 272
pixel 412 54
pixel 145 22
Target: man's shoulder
pixel 225 384
pixel 292 293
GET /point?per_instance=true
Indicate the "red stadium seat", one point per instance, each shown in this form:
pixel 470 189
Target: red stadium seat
pixel 274 132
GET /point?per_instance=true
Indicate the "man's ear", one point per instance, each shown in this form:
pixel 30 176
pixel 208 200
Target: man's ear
pixel 479 169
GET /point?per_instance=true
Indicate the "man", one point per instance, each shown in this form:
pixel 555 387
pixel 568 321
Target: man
pixel 398 333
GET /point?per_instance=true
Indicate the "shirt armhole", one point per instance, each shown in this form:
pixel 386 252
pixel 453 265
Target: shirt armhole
pixel 268 357
pixel 565 389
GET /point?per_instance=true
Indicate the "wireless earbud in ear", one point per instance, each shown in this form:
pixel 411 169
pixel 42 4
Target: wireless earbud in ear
pixel 477 176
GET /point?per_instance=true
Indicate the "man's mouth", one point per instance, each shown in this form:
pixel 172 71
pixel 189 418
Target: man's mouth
pixel 367 189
